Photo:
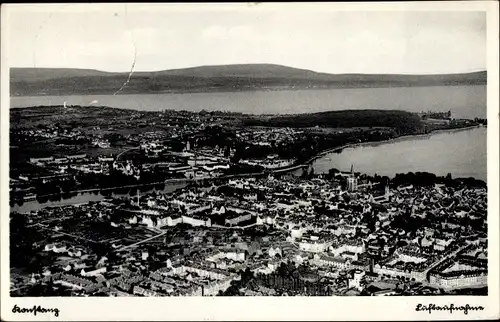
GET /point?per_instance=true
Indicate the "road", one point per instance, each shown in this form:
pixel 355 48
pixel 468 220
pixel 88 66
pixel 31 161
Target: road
pixel 445 258
pixel 142 241
pixel 74 236
pixel 123 152
pixel 49 220
pixel 28 284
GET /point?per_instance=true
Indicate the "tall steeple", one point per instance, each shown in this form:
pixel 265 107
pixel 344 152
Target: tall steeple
pixel 352 182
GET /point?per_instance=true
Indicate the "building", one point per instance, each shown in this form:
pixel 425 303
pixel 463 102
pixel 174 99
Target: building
pixel 384 293
pixel 313 245
pixel 41 160
pixel 76 157
pixel 325 260
pixel 94 272
pixel 355 281
pixel 237 218
pixel 353 247
pixel 195 220
pixel 459 279
pixel 352 181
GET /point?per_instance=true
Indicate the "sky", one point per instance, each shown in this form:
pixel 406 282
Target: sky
pixel 159 37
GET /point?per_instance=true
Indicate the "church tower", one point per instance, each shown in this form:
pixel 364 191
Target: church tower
pixel 352 181
pixel 138 198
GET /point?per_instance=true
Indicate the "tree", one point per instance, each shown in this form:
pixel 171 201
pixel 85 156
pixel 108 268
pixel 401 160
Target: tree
pixel 22 239
pixel 332 173
pixel 282 270
pixel 311 173
pixel 233 290
pixel 35 265
pixel 246 275
pixel 237 154
pixel 370 221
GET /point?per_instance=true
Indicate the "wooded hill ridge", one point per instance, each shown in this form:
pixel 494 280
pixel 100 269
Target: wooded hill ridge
pixel 402 121
pixel 222 78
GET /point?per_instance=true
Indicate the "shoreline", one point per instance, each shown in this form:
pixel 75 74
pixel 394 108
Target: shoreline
pixel 399 138
pixel 186 182
pixel 211 90
pixel 271 171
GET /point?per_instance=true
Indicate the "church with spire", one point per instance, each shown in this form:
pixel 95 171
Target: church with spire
pixel 352 181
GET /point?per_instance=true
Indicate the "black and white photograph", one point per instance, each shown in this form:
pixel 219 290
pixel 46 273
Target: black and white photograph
pixel 252 151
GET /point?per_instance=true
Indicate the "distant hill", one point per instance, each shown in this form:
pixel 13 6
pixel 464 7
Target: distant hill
pixel 42 74
pixel 61 81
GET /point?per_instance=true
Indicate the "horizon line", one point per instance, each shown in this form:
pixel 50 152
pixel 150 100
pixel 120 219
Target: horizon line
pixel 242 64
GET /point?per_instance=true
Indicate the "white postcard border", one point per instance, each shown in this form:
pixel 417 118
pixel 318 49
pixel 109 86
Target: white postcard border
pixel 271 308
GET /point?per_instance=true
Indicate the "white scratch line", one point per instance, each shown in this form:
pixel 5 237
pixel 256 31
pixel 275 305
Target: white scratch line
pixel 135 55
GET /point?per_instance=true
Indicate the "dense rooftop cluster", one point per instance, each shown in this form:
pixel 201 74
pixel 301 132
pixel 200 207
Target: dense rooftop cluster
pixel 205 204
pixel 264 236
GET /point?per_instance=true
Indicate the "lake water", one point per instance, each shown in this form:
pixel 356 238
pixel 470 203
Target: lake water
pixel 461 153
pixel 86 197
pixel 463 101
